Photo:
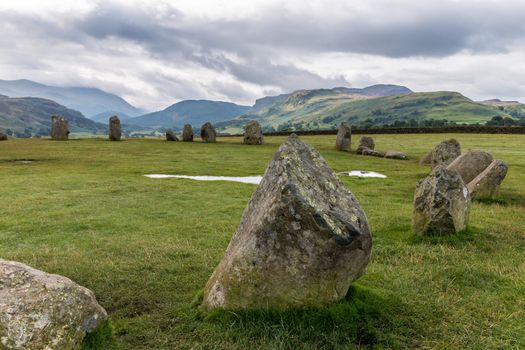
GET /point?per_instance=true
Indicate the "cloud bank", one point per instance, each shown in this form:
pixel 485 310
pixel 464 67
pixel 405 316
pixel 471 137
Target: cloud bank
pixel 154 53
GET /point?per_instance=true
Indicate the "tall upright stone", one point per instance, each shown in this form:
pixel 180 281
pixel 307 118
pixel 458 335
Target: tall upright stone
pixel 253 134
pixel 44 311
pixel 365 143
pixel 445 153
pixel 59 128
pixel 470 164
pixel 208 133
pixel 344 137
pixel 115 131
pixel 3 136
pixel 171 136
pixel 302 240
pixel 486 185
pixel 441 203
pixel 187 133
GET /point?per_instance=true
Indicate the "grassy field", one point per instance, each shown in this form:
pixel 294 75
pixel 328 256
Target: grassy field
pixel 146 247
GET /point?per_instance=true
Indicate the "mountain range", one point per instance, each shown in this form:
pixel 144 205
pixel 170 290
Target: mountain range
pixel 195 112
pixel 326 108
pixel 89 101
pixel 380 104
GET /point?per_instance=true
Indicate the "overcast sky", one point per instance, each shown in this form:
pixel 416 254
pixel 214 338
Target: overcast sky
pixel 155 53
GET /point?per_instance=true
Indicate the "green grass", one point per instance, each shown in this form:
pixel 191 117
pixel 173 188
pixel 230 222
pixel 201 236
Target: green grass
pixel 146 247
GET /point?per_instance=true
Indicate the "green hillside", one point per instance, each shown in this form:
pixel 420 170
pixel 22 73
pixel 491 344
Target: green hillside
pixel 194 112
pixel 325 109
pixel 30 114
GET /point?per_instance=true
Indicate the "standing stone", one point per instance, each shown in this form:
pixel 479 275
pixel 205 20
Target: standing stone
pixel 365 142
pixel 114 129
pixel 487 183
pixel 396 155
pixel 344 137
pixel 59 128
pixel 208 133
pixel 3 136
pixel 253 134
pixel 470 164
pixel 302 239
pixel 170 136
pixel 187 133
pixel 441 203
pixel 44 311
pixel 445 153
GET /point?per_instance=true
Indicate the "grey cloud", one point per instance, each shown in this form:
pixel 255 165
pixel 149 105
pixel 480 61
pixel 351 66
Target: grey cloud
pixel 252 49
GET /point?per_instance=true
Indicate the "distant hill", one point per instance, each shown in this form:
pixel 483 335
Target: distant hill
pixel 194 112
pixel 513 108
pixel 89 101
pixel 33 113
pixel 498 102
pixel 104 117
pixel 326 108
pixel 379 90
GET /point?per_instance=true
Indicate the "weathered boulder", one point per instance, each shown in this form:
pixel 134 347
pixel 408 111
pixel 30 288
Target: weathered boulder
pixel 253 134
pixel 365 142
pixel 44 311
pixel 396 155
pixel 170 136
pixel 445 153
pixel 208 133
pixel 3 136
pixel 59 128
pixel 427 159
pixel 441 203
pixel 115 131
pixel 470 164
pixel 373 153
pixel 487 183
pixel 302 239
pixel 344 137
pixel 187 133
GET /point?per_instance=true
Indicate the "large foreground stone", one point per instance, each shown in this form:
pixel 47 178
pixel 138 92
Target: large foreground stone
pixel 487 183
pixel 441 203
pixel 3 136
pixel 365 142
pixel 471 164
pixel 344 137
pixel 187 133
pixel 170 136
pixel 302 239
pixel 208 133
pixel 253 134
pixel 59 128
pixel 115 131
pixel 445 153
pixel 44 311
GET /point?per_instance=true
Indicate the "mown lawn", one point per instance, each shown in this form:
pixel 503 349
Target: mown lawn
pixel 146 247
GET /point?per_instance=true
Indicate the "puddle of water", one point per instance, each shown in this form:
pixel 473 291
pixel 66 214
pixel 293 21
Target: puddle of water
pixel 362 173
pixel 244 179
pixel 19 161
